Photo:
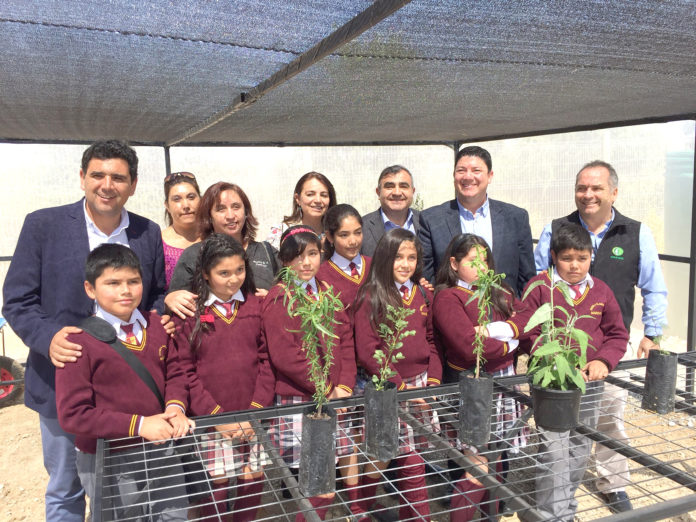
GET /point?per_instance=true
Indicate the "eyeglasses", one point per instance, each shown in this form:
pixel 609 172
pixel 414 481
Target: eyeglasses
pixel 174 175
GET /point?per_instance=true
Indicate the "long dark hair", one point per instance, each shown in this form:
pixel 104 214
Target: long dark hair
pixel 380 285
pixel 459 248
pixel 296 214
pixel 215 248
pixel 211 197
pixel 332 222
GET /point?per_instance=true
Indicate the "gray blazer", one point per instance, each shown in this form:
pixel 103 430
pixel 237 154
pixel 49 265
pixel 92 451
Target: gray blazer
pixel 373 230
pixel 512 240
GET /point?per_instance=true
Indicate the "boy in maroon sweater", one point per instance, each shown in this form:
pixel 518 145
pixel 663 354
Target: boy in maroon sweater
pixel 562 457
pixel 101 396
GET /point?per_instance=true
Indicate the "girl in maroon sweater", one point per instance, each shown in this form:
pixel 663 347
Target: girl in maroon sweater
pixel 455 320
pixel 394 281
pixel 222 344
pixel 300 248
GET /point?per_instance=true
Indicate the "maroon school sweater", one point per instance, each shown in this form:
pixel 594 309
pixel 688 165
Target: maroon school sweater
pixel 345 286
pixel 100 396
pixel 604 326
pixel 229 370
pixel 284 341
pixel 454 321
pixel 419 350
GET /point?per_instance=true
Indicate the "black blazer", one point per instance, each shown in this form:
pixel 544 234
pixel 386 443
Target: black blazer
pixel 373 230
pixel 512 240
pixel 44 287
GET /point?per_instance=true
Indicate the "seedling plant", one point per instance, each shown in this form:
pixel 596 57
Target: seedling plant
pixel 317 325
pixel 486 281
pixel 392 332
pixel 560 352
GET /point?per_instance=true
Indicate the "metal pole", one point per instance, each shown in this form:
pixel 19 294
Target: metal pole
pixel 167 161
pixel 691 318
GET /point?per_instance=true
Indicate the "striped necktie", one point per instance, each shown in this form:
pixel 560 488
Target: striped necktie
pixel 353 269
pixel 227 306
pixel 130 336
pixel 404 292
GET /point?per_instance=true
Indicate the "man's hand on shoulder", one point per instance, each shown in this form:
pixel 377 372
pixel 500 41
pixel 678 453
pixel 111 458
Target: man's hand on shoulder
pixel 61 350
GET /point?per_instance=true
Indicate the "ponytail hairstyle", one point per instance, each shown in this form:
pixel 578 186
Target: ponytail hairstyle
pixel 332 222
pixel 459 248
pixel 213 249
pixel 380 287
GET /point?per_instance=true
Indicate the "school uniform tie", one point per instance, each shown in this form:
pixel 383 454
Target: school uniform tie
pixel 130 336
pixel 227 306
pixel 353 269
pixel 404 292
pixel 310 292
pixel 575 291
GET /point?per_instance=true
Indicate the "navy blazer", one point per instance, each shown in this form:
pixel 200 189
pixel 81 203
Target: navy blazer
pixel 512 240
pixel 373 230
pixel 44 287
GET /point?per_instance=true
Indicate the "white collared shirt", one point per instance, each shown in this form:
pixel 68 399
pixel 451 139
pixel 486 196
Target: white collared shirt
pixel 478 223
pixel 464 284
pixel 213 300
pixel 311 283
pixel 96 237
pixel 583 284
pixel 136 319
pixel 408 283
pixel 342 263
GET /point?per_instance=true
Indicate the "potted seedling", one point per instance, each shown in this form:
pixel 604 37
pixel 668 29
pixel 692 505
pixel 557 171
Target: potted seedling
pixel 557 358
pixel 317 474
pixel 660 380
pixel 475 385
pixel 381 406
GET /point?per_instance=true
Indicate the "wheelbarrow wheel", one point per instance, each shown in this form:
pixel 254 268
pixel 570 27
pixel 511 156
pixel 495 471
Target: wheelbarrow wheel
pixel 10 370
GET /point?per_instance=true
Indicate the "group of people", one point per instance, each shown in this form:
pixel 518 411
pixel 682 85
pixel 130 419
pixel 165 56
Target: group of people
pixel 231 343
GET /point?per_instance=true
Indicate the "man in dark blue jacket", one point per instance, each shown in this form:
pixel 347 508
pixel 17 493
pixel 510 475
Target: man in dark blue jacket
pixel 44 295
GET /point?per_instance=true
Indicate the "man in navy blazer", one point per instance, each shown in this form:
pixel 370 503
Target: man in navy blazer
pixel 505 226
pixel 44 297
pixel 395 191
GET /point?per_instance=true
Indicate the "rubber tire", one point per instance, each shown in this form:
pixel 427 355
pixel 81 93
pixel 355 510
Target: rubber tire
pixel 15 369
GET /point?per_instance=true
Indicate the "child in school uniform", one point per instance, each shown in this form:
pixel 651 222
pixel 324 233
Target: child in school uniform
pixel 394 280
pixel 101 395
pixel 221 345
pixel 562 457
pixel 300 248
pixel 345 269
pixel 455 319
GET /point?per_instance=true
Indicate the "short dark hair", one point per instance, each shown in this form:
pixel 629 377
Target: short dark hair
pixel 613 176
pixel 393 169
pixel 294 241
pixel 110 255
pixel 570 236
pixel 110 149
pixel 211 197
pixel 476 151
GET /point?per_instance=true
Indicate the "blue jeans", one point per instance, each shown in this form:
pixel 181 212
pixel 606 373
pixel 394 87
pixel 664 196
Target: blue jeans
pixel 65 497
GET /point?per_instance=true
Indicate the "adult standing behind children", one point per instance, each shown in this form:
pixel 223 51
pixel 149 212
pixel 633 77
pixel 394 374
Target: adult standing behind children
pixel 181 199
pixel 395 190
pixel 505 227
pixel 313 196
pixel 624 256
pixel 44 295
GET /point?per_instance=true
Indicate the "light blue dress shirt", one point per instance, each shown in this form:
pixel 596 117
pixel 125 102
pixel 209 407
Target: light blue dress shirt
pixel 478 223
pixel 388 225
pixel 650 279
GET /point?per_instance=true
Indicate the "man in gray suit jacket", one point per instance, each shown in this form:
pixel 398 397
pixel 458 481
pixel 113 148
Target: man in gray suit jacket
pixel 395 192
pixel 505 227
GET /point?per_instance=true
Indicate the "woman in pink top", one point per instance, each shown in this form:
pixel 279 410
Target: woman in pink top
pixel 181 199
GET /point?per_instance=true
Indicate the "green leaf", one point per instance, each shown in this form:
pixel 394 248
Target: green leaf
pixel 549 348
pixel 541 315
pixel 531 287
pixel 581 337
pixel 578 380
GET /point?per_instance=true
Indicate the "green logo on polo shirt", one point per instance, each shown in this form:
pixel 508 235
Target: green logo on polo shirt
pixel 617 253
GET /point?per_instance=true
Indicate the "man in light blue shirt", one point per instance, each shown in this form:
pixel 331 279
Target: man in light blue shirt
pixel 624 256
